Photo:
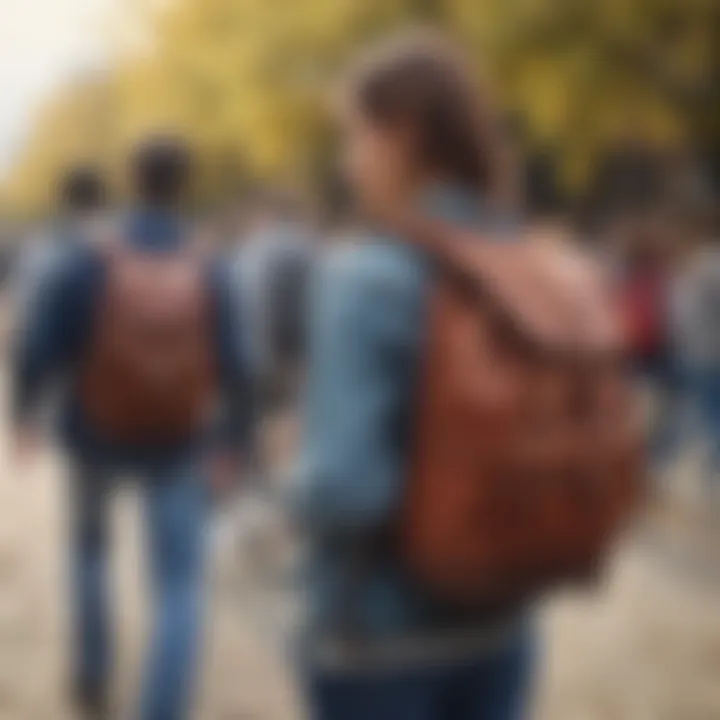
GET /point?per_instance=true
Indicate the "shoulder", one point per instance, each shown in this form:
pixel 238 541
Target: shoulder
pixel 66 264
pixel 80 272
pixel 374 266
pixel 372 288
pixel 67 279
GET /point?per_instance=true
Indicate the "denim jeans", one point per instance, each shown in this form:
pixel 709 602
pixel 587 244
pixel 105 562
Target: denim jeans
pixel 492 687
pixel 174 504
pixel 665 379
pixel 705 384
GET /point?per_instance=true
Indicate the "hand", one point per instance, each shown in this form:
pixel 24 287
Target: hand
pixel 223 470
pixel 26 445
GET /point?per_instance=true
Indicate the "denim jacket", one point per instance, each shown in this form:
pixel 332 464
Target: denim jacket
pixel 365 346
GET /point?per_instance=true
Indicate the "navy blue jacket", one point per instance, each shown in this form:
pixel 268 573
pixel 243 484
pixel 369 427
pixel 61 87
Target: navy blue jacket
pixel 52 344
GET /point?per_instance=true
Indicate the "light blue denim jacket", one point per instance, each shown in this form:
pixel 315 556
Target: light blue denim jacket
pixel 365 347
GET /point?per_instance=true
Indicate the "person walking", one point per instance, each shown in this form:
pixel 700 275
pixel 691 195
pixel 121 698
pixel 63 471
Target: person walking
pixel 141 329
pixel 417 134
pixel 695 332
pixel 272 269
pixel 645 294
pixel 81 201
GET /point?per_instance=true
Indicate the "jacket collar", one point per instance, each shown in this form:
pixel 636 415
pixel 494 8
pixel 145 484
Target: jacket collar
pixel 459 205
pixel 155 229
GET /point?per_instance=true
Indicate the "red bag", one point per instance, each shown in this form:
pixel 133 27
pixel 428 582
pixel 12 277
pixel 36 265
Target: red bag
pixel 643 305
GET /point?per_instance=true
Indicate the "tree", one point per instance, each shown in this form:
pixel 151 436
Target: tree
pixel 249 80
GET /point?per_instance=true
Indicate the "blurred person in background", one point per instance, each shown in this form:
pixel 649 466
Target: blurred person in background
pixel 142 331
pixel 271 252
pixel 272 273
pixel 696 336
pixel 81 201
pixel 647 272
pixel 376 645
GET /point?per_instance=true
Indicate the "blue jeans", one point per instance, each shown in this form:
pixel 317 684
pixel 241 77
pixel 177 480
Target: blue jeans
pixel 495 687
pixel 175 504
pixel 705 385
pixel 665 379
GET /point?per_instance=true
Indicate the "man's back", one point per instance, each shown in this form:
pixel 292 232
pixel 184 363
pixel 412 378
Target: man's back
pixel 64 325
pixel 149 373
pixel 135 318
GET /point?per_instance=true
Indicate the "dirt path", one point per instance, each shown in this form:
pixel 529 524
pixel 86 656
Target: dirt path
pixel 647 648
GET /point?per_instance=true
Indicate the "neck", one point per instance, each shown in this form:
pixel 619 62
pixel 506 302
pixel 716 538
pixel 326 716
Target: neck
pixel 159 208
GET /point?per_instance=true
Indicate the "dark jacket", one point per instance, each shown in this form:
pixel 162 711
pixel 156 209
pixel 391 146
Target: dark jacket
pixel 53 341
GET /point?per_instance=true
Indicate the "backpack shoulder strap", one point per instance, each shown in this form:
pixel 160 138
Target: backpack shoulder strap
pixel 552 295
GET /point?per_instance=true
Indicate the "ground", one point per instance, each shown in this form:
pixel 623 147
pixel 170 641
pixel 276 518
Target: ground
pixel 645 647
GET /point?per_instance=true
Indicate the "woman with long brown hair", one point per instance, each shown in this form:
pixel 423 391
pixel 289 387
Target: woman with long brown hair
pixel 417 134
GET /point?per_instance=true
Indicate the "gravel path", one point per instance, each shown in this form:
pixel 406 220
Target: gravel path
pixel 647 647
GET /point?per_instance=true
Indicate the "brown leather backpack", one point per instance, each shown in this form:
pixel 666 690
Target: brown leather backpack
pixel 528 453
pixel 149 375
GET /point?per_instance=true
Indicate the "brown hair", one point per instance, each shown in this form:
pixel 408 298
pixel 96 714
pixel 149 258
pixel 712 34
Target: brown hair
pixel 420 81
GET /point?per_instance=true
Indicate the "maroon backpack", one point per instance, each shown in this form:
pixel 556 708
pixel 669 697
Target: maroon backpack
pixel 149 373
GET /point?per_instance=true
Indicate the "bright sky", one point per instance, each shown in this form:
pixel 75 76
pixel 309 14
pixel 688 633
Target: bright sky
pixel 43 43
